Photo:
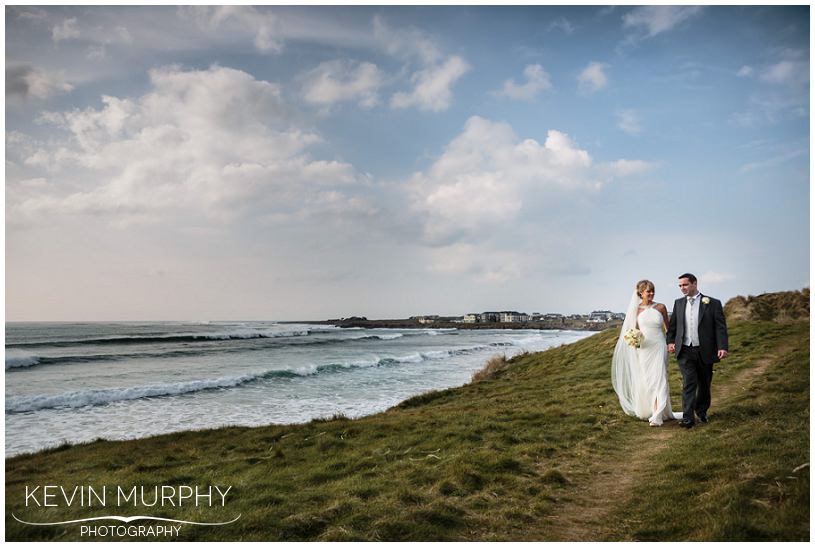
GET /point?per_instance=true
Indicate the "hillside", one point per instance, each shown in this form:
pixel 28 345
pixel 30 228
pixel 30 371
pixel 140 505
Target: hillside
pixel 539 450
pixel 781 307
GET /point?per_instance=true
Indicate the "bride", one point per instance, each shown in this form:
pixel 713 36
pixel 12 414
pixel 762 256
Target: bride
pixel 640 375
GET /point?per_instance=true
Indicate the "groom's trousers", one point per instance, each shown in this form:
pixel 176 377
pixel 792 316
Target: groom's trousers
pixel 696 379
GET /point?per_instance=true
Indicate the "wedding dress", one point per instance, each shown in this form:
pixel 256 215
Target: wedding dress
pixel 640 375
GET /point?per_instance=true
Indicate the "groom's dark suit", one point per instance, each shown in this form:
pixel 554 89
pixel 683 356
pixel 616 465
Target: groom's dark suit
pixel 696 363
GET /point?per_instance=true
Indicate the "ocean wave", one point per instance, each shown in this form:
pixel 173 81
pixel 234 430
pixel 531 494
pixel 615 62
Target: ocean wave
pixel 99 397
pixel 244 334
pixel 23 358
pixel 20 359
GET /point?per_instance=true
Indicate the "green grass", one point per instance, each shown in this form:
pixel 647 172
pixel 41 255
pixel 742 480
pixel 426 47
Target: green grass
pixel 498 459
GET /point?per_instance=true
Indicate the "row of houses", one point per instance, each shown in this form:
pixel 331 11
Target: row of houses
pixel 602 316
pixel 497 317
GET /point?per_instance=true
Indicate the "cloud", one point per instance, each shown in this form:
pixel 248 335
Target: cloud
pixel 786 72
pixel 625 168
pixel 432 86
pixel 649 21
pixel 562 24
pixel 406 43
pixel 25 82
pixel 628 121
pixel 745 72
pixel 67 30
pixel 239 20
pixel 470 260
pixel 537 80
pixel 436 74
pixel 592 78
pixel 35 15
pixel 343 80
pixel 213 143
pixel 487 175
pixel 774 161
pixel 716 278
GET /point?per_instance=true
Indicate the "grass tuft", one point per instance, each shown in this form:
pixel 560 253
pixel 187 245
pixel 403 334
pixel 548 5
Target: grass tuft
pixel 494 367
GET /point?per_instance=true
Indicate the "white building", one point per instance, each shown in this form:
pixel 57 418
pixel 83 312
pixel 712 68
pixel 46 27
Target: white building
pixel 513 317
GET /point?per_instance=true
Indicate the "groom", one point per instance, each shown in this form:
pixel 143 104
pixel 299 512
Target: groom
pixel 697 333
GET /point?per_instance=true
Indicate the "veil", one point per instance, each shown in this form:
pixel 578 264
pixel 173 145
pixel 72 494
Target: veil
pixel 624 363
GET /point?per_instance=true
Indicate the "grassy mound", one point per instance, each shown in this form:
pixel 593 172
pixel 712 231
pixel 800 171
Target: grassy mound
pixel 781 307
pixel 538 449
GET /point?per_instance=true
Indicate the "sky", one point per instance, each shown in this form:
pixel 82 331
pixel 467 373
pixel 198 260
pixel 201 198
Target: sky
pixel 304 163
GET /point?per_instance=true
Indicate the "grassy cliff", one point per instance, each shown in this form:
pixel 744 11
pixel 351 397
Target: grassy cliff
pixel 536 449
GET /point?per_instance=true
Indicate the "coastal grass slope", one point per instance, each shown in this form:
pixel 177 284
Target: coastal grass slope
pixel 536 449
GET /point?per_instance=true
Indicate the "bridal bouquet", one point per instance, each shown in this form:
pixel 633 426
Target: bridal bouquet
pixel 634 338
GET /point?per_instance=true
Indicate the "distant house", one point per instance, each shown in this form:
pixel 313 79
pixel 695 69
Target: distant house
pixel 490 317
pixel 425 319
pixel 602 316
pixel 472 318
pixel 513 317
pixel 554 318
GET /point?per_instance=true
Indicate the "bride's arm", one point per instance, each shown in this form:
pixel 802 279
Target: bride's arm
pixel 664 311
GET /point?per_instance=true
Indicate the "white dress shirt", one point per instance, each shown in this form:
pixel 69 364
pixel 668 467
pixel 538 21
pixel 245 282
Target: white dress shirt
pixel 692 320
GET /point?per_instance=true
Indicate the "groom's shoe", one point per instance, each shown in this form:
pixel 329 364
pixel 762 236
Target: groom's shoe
pixel 687 424
pixel 702 418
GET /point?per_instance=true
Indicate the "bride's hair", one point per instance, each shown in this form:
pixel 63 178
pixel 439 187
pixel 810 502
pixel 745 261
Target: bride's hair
pixel 644 284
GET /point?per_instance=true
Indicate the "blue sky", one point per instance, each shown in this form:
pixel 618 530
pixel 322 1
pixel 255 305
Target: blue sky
pixel 279 162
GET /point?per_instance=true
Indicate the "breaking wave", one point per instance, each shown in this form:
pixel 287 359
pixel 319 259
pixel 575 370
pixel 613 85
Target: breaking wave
pixel 98 397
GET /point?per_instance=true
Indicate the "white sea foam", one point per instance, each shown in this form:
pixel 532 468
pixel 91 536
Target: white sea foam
pixel 17 358
pixel 389 336
pixel 95 397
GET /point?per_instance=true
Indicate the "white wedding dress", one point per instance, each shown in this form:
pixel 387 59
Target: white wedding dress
pixel 640 375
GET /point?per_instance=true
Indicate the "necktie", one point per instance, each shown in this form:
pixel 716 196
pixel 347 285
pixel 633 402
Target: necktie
pixel 692 324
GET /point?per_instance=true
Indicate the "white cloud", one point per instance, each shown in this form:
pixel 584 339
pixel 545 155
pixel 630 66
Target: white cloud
pixel 436 74
pixel 472 261
pixel 35 15
pixel 774 161
pixel 537 80
pixel 653 20
pixel 432 86
pixel 786 72
pixel 487 175
pixel 715 278
pixel 215 143
pixel 561 23
pixel 406 43
pixel 745 72
pixel 24 82
pixel 262 25
pixel 625 168
pixel 592 78
pixel 67 30
pixel 629 122
pixel 342 80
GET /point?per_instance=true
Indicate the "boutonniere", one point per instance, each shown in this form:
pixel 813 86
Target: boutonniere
pixel 705 300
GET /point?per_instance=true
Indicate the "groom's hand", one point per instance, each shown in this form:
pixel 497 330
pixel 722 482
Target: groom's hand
pixel 672 348
pixel 722 353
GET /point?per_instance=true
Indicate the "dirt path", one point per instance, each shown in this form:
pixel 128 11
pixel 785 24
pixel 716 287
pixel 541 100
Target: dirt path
pixel 585 516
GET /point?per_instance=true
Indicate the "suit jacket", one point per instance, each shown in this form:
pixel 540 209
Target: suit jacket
pixel 712 328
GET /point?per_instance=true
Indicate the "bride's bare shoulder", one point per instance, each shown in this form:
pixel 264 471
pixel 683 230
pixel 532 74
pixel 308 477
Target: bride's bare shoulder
pixel 660 306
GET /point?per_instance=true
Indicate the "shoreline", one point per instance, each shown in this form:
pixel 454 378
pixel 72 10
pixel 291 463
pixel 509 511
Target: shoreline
pixel 357 322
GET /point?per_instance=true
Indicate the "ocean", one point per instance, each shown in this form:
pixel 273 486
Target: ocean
pixel 77 382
